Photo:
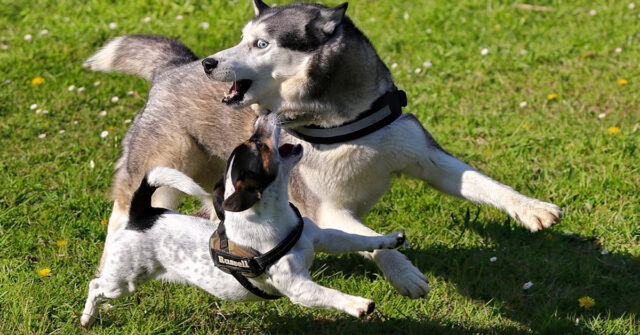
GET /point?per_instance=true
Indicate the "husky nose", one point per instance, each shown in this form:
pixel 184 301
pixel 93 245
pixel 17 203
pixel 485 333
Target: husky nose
pixel 209 64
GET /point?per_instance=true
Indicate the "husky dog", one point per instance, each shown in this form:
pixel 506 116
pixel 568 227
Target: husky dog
pixel 312 66
pixel 159 243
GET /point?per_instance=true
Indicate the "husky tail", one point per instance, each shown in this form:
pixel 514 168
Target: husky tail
pixel 141 55
pixel 141 214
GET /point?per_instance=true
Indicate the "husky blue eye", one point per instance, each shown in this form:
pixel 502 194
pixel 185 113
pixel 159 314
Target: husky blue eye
pixel 262 44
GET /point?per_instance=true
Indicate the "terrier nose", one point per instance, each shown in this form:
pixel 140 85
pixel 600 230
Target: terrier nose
pixel 209 64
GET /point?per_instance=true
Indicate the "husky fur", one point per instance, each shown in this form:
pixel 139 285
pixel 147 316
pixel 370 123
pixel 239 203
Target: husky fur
pixel 162 244
pixel 317 69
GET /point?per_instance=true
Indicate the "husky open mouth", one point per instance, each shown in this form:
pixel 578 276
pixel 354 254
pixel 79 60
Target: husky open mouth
pixel 237 91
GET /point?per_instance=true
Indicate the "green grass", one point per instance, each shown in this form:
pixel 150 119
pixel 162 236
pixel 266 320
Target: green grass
pixel 556 150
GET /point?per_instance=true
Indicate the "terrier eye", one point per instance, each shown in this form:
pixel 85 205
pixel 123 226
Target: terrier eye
pixel 261 44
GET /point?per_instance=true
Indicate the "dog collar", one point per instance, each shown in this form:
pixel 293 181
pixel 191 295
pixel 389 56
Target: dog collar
pixel 243 263
pixel 383 112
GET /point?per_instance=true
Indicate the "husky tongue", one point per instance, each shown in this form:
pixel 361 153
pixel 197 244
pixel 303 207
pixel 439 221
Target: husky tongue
pixel 237 91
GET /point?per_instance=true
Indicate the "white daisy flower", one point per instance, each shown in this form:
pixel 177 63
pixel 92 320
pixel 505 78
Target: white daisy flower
pixel 372 19
pixel 75 122
pixel 602 115
pixel 114 99
pixel 71 88
pixel 493 259
pixel 44 32
pixel 96 83
pixel 129 92
pixel 523 104
pixel 34 106
pixel 104 134
pixel 179 17
pixel 61 131
pixel 632 5
pixel 618 50
pixel 394 65
pixel 604 252
pixel 113 25
pixel 484 51
pixel 417 70
pixel 43 135
pixel 106 306
pixel 102 113
pixel 427 65
pixel 92 164
pixel 593 12
pixel 80 89
pixel 127 121
pixel 38 111
pixel 45 112
pixel 428 31
pixel 527 285
pixel 406 16
pixel 27 37
pixel 146 19
pixel 406 244
pixel 204 25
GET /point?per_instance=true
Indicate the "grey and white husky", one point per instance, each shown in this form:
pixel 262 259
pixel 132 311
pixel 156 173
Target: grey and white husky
pixel 309 64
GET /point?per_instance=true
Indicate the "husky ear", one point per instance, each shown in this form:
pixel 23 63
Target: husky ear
pixel 333 17
pixel 242 199
pixel 259 6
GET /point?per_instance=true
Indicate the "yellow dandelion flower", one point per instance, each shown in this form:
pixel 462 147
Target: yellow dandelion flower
pixel 487 153
pixel 44 272
pixel 526 126
pixel 622 82
pixel 613 130
pixel 587 54
pixel 103 222
pixel 37 81
pixel 111 128
pixel 552 96
pixel 61 243
pixel 586 302
pixel 496 27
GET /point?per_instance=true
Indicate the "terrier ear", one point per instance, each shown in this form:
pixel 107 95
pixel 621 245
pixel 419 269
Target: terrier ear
pixel 334 17
pixel 242 199
pixel 218 198
pixel 259 6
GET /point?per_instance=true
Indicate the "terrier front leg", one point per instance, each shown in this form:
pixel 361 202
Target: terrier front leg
pixel 338 241
pixel 291 278
pixel 395 266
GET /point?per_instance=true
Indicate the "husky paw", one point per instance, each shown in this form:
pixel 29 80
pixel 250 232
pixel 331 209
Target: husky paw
pixel 86 321
pixel 393 240
pixel 536 215
pixel 360 307
pixel 399 271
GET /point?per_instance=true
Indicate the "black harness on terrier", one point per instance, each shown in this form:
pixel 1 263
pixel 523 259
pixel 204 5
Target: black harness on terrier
pixel 243 263
pixel 383 112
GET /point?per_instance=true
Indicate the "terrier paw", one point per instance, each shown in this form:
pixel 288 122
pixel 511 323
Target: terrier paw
pixel 399 271
pixel 393 240
pixel 536 215
pixel 360 307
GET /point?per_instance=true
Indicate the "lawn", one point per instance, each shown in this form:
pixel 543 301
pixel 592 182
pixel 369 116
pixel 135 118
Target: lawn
pixel 543 100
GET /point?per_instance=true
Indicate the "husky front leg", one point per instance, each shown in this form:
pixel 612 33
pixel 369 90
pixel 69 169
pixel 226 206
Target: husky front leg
pixel 395 266
pixel 291 278
pixel 429 162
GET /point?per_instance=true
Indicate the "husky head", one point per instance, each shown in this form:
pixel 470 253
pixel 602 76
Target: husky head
pixel 307 62
pixel 258 170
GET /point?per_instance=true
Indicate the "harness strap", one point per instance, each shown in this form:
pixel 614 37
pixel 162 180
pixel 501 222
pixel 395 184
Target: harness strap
pixel 243 262
pixel 383 112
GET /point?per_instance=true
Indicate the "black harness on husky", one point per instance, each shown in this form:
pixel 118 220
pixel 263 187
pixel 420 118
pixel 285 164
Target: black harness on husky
pixel 243 263
pixel 383 112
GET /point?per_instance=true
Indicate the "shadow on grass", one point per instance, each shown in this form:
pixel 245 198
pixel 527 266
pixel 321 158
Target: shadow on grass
pixel 562 268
